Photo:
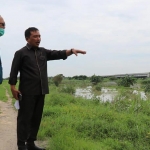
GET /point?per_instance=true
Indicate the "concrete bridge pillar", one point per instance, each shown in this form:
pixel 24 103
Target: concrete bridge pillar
pixel 148 75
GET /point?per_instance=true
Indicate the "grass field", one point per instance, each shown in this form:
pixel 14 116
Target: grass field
pixel 71 123
pixel 3 88
pixel 77 124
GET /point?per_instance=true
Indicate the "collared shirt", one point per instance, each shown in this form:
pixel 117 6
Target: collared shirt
pixel 32 65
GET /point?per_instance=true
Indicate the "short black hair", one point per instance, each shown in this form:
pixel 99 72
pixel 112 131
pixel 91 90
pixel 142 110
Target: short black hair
pixel 29 30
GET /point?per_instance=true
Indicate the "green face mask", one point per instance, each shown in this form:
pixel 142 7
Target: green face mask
pixel 2 31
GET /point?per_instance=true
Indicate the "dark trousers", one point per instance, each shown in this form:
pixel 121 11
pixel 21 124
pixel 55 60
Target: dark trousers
pixel 29 118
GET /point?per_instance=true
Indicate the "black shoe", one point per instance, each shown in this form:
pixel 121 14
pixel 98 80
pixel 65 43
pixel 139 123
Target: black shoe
pixel 22 148
pixel 34 147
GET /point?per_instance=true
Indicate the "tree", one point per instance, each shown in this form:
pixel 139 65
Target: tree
pixel 80 77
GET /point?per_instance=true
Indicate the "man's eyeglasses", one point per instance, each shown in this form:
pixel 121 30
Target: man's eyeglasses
pixel 3 24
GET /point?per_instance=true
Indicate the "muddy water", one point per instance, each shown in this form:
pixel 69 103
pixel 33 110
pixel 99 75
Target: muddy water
pixel 85 93
pixel 141 93
pixel 106 94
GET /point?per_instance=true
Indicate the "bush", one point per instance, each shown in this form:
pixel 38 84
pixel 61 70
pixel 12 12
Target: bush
pixel 112 78
pixel 98 88
pixel 126 81
pixel 96 79
pixel 147 88
pixel 68 89
pixel 146 82
pixel 57 79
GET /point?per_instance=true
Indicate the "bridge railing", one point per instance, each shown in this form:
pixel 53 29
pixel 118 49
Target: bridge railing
pixel 135 75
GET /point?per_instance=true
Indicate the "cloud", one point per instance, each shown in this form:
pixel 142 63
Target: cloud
pixel 112 32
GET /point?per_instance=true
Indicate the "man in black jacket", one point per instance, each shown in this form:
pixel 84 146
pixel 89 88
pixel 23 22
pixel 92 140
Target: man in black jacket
pixel 2 31
pixel 31 62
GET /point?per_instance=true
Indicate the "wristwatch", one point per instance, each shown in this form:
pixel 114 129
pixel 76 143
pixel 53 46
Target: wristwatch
pixel 71 50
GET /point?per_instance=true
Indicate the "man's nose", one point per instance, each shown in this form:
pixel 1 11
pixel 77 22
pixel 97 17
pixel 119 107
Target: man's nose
pixel 3 27
pixel 39 38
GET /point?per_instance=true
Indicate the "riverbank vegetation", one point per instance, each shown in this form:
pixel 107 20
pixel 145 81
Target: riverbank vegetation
pixel 75 123
pixel 79 124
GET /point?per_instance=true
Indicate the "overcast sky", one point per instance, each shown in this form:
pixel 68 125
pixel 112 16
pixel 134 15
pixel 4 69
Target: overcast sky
pixel 115 34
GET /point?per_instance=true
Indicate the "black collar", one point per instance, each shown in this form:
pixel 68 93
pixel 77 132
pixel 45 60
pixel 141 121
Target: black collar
pixel 29 47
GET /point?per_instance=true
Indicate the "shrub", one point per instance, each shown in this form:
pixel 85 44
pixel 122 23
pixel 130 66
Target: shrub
pixel 112 78
pixel 57 79
pixel 147 88
pixel 96 79
pixel 145 82
pixel 98 87
pixel 126 81
pixel 68 89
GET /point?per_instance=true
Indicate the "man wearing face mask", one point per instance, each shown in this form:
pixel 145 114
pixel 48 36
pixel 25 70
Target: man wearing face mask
pixel 2 27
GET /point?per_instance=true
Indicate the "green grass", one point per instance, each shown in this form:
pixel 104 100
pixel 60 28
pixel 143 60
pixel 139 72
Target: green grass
pixel 7 86
pixel 77 83
pixel 71 123
pixel 3 88
pixel 74 123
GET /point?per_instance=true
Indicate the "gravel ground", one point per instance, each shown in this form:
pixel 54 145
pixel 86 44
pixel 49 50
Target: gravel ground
pixel 7 125
pixel 8 117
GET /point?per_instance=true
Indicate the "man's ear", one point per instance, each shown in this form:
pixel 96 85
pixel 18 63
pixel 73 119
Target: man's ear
pixel 26 38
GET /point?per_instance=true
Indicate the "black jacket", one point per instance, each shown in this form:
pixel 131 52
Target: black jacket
pixel 32 65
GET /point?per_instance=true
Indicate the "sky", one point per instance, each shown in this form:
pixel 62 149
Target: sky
pixel 115 34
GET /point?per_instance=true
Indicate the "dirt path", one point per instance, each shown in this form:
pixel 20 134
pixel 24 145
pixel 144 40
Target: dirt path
pixel 8 117
pixel 7 125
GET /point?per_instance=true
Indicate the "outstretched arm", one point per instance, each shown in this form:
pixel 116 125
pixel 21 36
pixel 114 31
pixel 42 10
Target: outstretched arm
pixel 74 51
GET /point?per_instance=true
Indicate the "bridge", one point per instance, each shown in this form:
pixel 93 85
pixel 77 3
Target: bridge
pixel 135 75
